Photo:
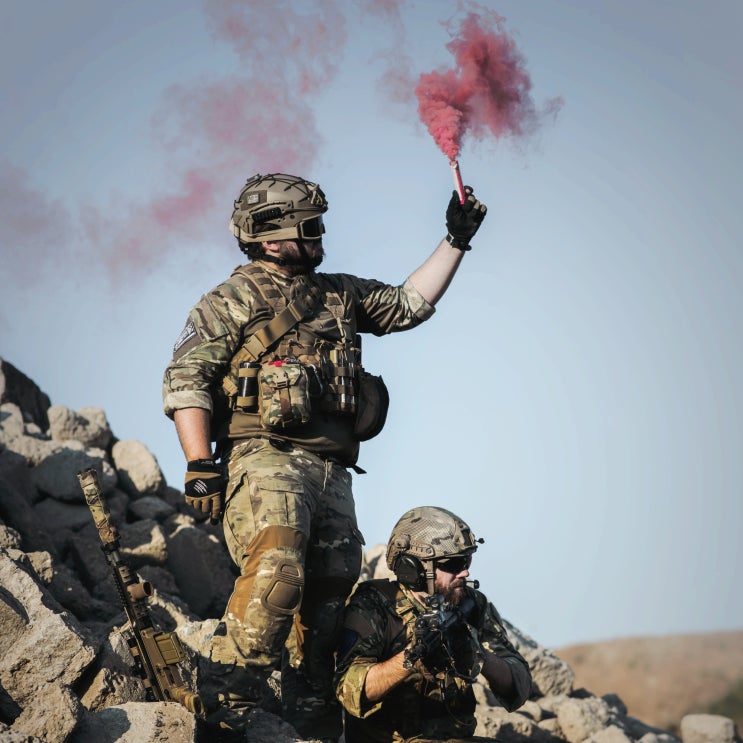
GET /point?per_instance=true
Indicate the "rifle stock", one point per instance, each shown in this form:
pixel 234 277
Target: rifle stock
pixel 156 654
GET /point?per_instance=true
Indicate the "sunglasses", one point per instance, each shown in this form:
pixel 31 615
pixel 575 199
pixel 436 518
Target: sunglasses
pixel 454 565
pixel 311 229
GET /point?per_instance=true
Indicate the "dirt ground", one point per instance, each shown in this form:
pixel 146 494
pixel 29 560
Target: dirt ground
pixel 661 679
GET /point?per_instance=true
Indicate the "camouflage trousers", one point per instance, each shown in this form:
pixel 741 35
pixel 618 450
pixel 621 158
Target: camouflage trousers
pixel 290 526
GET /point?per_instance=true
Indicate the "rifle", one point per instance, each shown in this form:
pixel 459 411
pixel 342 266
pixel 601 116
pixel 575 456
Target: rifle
pixel 156 654
pixel 442 639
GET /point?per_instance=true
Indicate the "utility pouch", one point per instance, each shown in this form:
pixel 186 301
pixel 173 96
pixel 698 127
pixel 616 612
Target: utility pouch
pixel 373 404
pixel 283 391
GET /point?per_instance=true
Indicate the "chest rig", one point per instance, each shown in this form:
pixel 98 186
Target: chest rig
pixel 306 324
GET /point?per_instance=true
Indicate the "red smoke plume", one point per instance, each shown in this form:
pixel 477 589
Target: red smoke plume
pixel 258 117
pixel 215 133
pixel 34 228
pixel 488 91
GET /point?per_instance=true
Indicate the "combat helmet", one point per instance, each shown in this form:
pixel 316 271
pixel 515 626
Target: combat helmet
pixel 279 207
pixel 422 536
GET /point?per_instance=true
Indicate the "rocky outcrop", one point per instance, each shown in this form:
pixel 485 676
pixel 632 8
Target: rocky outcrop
pixel 65 674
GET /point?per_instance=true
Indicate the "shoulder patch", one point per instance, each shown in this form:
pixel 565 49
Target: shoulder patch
pixel 348 641
pixel 188 332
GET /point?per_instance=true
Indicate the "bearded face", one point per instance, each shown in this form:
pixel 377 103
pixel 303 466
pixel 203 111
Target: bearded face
pixel 295 262
pixel 451 586
pixel 450 577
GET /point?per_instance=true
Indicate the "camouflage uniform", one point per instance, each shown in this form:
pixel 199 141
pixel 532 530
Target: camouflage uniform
pixel 290 523
pixel 378 624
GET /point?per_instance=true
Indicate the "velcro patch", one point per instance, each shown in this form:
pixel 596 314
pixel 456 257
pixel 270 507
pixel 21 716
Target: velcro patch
pixel 348 641
pixel 186 334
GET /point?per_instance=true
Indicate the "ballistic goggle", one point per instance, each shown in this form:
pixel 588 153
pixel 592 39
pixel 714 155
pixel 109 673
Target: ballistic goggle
pixel 308 229
pixel 311 229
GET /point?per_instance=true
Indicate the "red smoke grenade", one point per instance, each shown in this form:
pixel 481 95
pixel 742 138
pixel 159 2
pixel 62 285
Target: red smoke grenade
pixel 457 176
pixel 487 92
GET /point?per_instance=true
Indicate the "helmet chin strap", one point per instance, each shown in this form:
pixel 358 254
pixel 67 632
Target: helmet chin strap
pixel 430 568
pixel 276 259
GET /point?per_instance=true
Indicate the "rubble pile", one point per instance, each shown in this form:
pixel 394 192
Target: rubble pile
pixel 65 673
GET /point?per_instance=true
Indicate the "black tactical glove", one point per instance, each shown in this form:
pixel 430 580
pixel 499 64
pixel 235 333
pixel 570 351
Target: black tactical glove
pixel 463 220
pixel 204 487
pixel 427 639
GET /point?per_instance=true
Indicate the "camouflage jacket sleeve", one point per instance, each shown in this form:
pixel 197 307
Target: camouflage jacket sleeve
pixel 205 347
pixel 381 308
pixel 364 643
pixel 493 638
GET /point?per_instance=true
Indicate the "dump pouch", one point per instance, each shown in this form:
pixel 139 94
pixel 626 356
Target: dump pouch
pixel 283 391
pixel 373 404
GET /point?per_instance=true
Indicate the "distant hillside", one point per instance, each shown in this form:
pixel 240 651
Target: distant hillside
pixel 661 679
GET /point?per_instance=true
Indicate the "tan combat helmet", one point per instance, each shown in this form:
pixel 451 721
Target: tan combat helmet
pixel 279 207
pixel 422 536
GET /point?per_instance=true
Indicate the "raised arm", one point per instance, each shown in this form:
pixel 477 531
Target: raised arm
pixel 462 222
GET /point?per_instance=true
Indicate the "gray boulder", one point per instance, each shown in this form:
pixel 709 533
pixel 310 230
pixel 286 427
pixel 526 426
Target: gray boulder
pixel 88 425
pixel 139 472
pixel 17 388
pixel 707 729
pixel 56 476
pixel 44 649
pixel 201 567
pixel 137 722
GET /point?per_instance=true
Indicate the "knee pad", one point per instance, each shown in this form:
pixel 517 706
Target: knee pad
pixel 282 582
pixel 283 594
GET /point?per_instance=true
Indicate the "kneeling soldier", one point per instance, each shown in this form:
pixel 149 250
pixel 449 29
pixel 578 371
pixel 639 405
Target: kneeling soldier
pixel 412 648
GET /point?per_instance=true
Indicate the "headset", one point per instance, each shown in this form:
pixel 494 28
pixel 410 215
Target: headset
pixel 410 572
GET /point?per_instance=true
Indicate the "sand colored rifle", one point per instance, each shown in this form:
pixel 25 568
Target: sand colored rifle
pixel 156 654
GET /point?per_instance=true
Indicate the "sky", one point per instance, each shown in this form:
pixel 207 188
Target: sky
pixel 576 397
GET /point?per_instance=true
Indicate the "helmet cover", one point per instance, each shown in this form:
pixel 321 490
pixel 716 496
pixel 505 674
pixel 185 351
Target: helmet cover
pixel 278 207
pixel 429 533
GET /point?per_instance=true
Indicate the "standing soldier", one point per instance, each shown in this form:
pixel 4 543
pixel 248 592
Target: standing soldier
pixel 410 649
pixel 268 366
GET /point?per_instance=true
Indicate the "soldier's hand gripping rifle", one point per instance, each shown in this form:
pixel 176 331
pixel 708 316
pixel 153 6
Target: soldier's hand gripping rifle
pixel 156 654
pixel 443 640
